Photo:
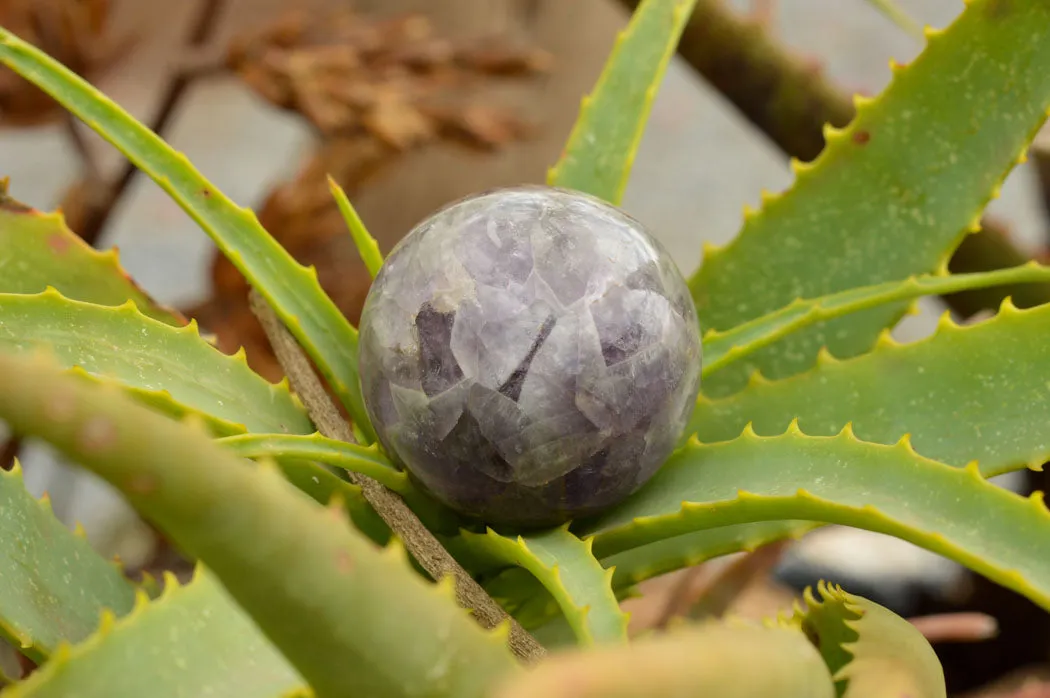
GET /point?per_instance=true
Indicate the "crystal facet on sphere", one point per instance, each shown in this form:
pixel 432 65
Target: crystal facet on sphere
pixel 529 355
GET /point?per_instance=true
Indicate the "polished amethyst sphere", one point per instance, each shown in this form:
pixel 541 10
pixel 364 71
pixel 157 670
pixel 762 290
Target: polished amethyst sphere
pixel 529 355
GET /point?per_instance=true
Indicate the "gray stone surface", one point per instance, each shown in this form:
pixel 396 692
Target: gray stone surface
pixel 530 355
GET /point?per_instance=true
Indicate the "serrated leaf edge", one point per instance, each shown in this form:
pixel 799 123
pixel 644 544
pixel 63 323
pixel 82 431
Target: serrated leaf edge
pixel 834 136
pixel 107 258
pixel 853 619
pixel 281 389
pixel 109 624
pixel 21 642
pixel 516 551
pixel 802 312
pixel 886 345
pixel 622 535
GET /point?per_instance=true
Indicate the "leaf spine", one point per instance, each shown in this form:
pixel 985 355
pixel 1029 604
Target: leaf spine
pixel 973 469
pixel 885 339
pixel 710 250
pixel 1037 498
pixel 767 197
pixel 861 102
pixel 501 631
pixel 799 168
pixel 171 584
pixel 756 378
pixel 825 357
pixel 831 134
pixel 446 587
pixel 395 549
pixel 945 323
pixel 1008 307
pixel 930 33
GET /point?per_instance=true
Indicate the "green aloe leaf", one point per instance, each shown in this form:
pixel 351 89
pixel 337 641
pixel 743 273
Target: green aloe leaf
pixel 122 345
pixel 871 651
pixel 976 392
pixel 892 194
pixel 367 246
pixel 192 641
pixel 838 479
pixel 366 460
pixel 38 250
pixel 723 348
pixel 293 290
pixel 660 557
pixel 345 613
pixel 324 486
pixel 533 606
pixel 600 152
pixel 53 585
pixel 713 659
pixel 564 565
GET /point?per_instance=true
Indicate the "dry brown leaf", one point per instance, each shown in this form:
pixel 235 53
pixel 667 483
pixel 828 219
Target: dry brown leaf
pixel 347 74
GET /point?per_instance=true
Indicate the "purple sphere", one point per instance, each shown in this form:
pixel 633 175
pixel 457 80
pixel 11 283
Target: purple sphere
pixel 529 355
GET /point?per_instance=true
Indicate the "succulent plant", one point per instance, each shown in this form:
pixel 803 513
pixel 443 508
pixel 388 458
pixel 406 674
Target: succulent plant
pixel 531 355
pixel 296 518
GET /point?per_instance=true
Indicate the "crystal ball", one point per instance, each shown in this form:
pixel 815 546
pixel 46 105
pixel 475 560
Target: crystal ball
pixel 529 355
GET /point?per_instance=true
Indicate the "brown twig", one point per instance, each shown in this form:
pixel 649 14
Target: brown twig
pixel 790 100
pixel 418 540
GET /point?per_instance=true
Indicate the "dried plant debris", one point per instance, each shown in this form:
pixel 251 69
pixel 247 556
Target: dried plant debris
pixel 374 89
pixel 72 31
pixel 394 79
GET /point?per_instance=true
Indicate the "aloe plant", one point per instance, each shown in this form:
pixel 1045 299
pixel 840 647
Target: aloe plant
pixel 295 522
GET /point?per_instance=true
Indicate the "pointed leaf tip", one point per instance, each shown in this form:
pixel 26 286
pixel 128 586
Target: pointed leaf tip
pixel 367 246
pixel 600 150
